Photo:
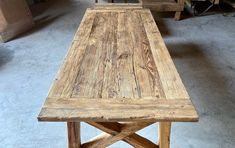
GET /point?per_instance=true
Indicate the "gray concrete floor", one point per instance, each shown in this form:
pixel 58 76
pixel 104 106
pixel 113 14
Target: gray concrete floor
pixel 203 50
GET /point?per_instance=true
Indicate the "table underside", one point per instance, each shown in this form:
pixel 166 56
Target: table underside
pixel 118 69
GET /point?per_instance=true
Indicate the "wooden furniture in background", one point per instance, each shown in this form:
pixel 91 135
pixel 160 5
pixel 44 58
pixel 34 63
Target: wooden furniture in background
pixel 159 5
pixel 165 5
pixel 15 18
pixel 118 77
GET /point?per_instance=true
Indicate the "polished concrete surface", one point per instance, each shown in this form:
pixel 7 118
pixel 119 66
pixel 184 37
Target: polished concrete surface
pixel 203 50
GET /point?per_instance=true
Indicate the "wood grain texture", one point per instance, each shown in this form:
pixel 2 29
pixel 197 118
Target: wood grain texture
pixel 118 110
pixel 118 69
pixel 63 84
pixel 170 79
pixel 164 134
pixel 74 140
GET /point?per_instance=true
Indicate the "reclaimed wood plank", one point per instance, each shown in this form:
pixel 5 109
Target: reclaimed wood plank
pixel 89 82
pixel 118 110
pixel 169 77
pixel 144 68
pixel 63 84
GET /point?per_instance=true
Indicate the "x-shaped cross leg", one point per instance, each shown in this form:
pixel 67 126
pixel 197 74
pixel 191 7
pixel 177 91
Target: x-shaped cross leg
pixel 114 131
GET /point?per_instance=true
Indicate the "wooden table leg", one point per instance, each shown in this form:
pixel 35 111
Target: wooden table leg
pixel 164 134
pixel 177 15
pixel 74 140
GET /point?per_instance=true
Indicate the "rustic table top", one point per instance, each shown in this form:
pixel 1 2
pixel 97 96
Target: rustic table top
pixel 118 69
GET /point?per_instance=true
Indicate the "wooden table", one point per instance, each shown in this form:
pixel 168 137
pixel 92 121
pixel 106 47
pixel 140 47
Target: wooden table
pixel 118 77
pixel 155 5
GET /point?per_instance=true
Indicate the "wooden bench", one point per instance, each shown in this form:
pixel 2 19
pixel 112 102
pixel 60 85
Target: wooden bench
pixel 118 77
